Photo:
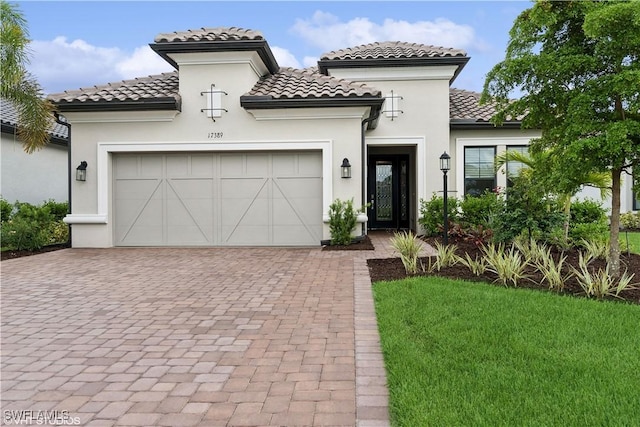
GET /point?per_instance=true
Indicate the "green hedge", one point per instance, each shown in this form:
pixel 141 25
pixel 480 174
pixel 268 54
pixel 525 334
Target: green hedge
pixel 24 226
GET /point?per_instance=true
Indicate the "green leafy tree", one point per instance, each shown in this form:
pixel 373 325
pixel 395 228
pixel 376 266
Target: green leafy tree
pixel 17 85
pixel 546 176
pixel 576 64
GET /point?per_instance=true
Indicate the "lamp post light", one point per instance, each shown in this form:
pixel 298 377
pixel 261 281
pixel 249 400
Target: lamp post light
pixel 445 166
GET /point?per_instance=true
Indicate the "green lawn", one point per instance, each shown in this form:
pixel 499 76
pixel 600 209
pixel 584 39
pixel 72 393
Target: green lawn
pixel 461 354
pixel 634 241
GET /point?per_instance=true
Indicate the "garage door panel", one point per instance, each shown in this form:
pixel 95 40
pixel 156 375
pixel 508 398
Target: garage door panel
pixel 309 165
pixel 150 166
pixel 245 212
pixel 242 188
pixel 260 198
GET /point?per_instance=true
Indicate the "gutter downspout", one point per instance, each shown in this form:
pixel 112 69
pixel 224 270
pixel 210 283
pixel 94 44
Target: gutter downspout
pixel 68 126
pixel 363 161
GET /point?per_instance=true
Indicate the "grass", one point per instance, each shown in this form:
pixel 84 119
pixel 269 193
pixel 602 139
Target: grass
pixel 460 353
pixel 634 241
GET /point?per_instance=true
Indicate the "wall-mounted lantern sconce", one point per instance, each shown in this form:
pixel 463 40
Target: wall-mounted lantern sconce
pixel 346 168
pixel 81 171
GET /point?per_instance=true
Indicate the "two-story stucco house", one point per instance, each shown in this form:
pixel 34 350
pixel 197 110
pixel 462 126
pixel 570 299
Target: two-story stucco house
pixel 232 149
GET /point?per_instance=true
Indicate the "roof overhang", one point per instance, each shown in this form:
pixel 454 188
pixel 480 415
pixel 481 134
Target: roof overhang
pixel 459 61
pixel 53 139
pixel 263 102
pixel 465 124
pixel 155 104
pixel 260 46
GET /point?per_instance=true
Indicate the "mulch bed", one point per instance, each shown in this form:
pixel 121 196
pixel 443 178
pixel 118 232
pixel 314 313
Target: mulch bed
pixel 364 244
pixel 19 254
pixel 392 269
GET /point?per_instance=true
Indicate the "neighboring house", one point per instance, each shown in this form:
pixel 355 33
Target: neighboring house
pixel 36 177
pixel 231 149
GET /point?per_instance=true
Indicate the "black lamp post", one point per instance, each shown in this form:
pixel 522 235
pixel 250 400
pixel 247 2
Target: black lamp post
pixel 445 166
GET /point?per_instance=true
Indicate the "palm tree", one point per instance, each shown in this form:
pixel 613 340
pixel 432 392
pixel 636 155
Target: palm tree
pixel 17 85
pixel 540 167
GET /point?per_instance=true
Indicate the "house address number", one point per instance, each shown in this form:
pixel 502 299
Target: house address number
pixel 215 135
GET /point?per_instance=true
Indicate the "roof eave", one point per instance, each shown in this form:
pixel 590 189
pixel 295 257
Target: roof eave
pixel 53 139
pixel 470 124
pixel 260 46
pixel 155 104
pixel 460 61
pixel 264 102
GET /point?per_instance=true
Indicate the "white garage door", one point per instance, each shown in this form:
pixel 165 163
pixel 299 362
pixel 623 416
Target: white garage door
pixel 218 199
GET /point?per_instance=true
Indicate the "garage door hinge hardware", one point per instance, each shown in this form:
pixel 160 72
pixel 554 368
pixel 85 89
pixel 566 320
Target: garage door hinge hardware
pixel 214 102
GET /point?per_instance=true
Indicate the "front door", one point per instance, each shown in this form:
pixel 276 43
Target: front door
pixel 388 191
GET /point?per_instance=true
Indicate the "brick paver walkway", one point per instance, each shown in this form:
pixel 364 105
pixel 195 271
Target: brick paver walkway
pixel 179 337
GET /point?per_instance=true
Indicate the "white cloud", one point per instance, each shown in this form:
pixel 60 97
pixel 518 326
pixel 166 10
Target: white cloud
pixel 60 65
pixel 310 61
pixel 284 57
pixel 143 62
pixel 327 32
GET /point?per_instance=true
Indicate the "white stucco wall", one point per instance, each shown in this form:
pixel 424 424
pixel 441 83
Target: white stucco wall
pixel 35 177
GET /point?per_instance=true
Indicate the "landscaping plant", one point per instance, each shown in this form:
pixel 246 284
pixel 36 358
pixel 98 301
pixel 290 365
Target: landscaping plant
pixel 552 270
pixel 432 211
pixel 28 227
pixel 477 266
pixel 408 246
pixel 342 221
pixel 600 283
pixel 508 265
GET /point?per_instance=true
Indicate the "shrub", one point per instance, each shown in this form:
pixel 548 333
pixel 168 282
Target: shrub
pixel 592 231
pixel 31 227
pixel 6 210
pixel 408 246
pixel 526 209
pixel 58 209
pixel 22 234
pixel 630 220
pixel 587 211
pixel 342 221
pixel 431 214
pixel 480 211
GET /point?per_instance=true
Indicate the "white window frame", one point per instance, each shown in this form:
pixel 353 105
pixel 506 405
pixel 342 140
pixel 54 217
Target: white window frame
pixel 500 143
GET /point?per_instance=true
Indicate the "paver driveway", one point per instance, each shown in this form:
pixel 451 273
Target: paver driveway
pixel 191 337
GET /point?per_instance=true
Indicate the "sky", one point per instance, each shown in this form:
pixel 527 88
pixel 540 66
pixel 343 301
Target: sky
pixel 85 43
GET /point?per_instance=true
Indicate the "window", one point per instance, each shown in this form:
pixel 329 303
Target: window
pixel 479 172
pixel 513 167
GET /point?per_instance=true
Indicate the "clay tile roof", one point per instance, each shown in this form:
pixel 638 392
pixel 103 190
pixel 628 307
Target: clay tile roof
pixel 393 50
pixel 290 83
pixel 10 120
pixel 145 89
pixel 464 106
pixel 209 34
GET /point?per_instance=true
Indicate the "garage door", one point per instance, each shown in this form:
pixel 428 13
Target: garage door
pixel 218 199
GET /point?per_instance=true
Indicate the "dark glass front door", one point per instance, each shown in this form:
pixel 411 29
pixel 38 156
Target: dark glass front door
pixel 388 191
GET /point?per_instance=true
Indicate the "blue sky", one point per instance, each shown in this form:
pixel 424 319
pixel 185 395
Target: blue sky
pixel 85 43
